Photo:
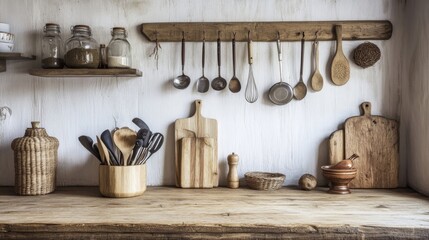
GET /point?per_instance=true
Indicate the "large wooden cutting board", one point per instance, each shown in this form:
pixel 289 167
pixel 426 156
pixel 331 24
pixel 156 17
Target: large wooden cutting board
pixel 196 126
pixel 375 139
pixel 196 162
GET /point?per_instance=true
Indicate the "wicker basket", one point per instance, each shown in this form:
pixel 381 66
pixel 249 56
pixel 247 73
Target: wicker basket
pixel 366 54
pixel 264 180
pixel 35 161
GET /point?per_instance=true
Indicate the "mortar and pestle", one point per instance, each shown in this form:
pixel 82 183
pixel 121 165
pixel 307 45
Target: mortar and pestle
pixel 340 175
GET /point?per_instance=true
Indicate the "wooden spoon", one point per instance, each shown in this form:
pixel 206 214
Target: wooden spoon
pixel 340 68
pixel 125 140
pixel 104 153
pixel 316 79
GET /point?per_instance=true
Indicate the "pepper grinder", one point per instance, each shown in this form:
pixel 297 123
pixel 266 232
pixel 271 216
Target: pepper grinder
pixel 233 181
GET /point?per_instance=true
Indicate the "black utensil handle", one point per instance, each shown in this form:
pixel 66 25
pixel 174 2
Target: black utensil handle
pixel 218 52
pixel 233 55
pixel 183 53
pixel 204 53
pixel 302 55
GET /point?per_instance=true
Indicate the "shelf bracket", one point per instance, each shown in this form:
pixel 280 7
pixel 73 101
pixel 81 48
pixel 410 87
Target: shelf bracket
pixel 267 31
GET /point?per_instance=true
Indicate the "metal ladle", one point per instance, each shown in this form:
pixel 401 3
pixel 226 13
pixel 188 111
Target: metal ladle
pixel 218 83
pixel 203 83
pixel 234 83
pixel 182 81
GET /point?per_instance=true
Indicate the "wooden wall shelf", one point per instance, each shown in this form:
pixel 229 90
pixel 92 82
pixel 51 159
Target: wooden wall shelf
pixel 266 31
pixel 68 72
pixel 12 56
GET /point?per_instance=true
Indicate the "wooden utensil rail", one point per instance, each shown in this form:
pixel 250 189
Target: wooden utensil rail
pixel 266 31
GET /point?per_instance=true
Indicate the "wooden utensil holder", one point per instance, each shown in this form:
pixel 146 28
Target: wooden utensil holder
pixel 122 181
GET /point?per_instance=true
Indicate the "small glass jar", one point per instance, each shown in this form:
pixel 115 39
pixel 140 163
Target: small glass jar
pixel 81 49
pixel 52 47
pixel 119 49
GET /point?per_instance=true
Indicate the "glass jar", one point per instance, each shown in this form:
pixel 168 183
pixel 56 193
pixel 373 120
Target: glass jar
pixel 81 49
pixel 52 47
pixel 119 49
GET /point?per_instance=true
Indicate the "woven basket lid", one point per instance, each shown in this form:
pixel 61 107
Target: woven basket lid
pixel 35 139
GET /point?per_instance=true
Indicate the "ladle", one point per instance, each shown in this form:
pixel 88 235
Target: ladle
pixel 203 83
pixel 234 83
pixel 218 83
pixel 182 81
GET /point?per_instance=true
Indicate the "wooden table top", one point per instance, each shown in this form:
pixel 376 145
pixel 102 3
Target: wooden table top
pixel 243 213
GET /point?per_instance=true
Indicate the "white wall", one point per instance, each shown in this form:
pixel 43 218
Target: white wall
pixel 415 91
pixel 290 139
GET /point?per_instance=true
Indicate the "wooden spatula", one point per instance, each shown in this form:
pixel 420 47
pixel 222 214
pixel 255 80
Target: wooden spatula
pixel 125 139
pixel 340 68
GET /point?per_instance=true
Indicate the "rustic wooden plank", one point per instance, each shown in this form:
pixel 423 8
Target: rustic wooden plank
pixel 16 56
pixel 266 31
pixel 68 72
pixel 376 140
pixel 336 147
pixel 240 213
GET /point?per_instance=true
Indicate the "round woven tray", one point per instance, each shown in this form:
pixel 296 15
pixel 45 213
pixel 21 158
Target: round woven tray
pixel 264 180
pixel 366 54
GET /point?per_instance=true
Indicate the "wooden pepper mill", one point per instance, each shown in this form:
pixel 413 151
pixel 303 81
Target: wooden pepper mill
pixel 233 181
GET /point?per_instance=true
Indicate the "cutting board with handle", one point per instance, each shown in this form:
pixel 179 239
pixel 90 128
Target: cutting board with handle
pixel 196 126
pixel 376 140
pixel 196 162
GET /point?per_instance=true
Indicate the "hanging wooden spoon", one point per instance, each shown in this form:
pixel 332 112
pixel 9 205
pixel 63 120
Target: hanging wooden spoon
pixel 125 139
pixel 316 79
pixel 340 68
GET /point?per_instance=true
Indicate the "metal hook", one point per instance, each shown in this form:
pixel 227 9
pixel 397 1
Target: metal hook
pixel 204 35
pixel 218 34
pixel 248 34
pixel 317 35
pixel 234 33
pixel 278 35
pixel 183 34
pixel 303 35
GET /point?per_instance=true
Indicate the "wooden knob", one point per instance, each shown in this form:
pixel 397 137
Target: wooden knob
pixel 35 125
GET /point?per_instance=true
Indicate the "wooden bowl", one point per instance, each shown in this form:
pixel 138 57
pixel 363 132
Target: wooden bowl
pixel 122 181
pixel 339 178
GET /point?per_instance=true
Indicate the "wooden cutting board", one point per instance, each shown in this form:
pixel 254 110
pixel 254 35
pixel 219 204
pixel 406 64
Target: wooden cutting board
pixel 336 147
pixel 196 162
pixel 196 126
pixel 375 139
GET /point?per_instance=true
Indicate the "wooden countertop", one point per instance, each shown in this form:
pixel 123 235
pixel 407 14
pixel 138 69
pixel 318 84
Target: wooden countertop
pixel 81 212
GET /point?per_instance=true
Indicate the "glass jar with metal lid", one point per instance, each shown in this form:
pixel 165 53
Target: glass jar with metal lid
pixel 119 49
pixel 81 49
pixel 52 47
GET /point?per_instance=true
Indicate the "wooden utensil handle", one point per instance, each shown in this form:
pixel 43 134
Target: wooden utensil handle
pixel 198 107
pixel 249 49
pixel 316 54
pixel 339 33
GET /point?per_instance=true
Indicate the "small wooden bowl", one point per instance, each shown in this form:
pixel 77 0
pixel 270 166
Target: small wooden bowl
pixel 122 181
pixel 339 178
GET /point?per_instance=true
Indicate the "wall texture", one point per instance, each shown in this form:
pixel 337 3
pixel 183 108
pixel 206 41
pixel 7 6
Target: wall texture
pixel 291 139
pixel 415 92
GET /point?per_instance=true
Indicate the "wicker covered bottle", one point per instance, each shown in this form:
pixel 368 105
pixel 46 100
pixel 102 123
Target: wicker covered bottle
pixel 36 157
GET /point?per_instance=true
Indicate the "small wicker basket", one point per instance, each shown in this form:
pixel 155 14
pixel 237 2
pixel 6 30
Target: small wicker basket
pixel 35 161
pixel 264 180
